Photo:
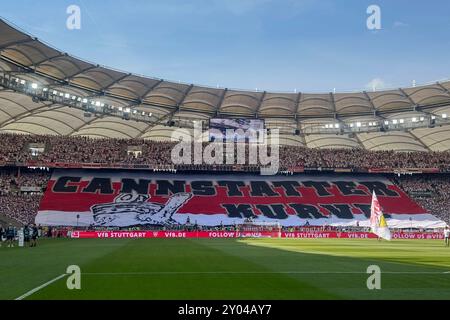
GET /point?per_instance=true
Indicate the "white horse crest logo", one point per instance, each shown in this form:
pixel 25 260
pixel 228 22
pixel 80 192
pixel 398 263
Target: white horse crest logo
pixel 131 209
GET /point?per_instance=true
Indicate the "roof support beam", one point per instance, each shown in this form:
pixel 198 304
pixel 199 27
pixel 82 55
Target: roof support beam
pixel 150 89
pixel 25 114
pixel 15 43
pixel 183 98
pixel 372 105
pixel 84 125
pixel 219 104
pixel 299 128
pixel 438 142
pixel 115 82
pixel 25 54
pixel 170 115
pixel 336 116
pixel 81 71
pixel 297 105
pixel 359 140
pixel 333 103
pixel 413 103
pixel 416 107
pixel 102 92
pixel 415 137
pixel 443 88
pixel 144 131
pixel 36 111
pixel 258 107
pixel 38 63
pixel 164 117
pixel 36 124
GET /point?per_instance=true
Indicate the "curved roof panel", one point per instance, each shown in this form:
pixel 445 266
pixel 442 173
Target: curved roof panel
pixel 398 140
pixel 32 59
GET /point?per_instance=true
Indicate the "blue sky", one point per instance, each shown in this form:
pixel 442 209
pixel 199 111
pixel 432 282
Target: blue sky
pixel 276 45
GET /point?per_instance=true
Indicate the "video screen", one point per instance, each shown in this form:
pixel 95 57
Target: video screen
pixel 236 130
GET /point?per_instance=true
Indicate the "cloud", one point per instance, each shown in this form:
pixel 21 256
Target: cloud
pixel 399 24
pixel 376 84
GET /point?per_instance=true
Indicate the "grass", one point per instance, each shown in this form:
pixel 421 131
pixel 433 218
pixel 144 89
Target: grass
pixel 228 269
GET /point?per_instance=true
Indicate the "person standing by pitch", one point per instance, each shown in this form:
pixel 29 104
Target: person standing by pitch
pixel 26 235
pixel 447 236
pixel 10 235
pixel 34 235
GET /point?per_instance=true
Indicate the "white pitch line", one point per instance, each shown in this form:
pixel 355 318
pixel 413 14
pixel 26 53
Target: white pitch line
pixel 246 272
pixel 29 293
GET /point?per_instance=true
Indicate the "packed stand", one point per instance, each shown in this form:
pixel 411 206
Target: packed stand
pixel 17 204
pixel 78 150
pixel 430 191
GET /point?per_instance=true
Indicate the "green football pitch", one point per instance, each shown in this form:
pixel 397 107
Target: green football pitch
pixel 226 269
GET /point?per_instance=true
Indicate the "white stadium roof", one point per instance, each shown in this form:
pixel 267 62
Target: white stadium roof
pixel 32 60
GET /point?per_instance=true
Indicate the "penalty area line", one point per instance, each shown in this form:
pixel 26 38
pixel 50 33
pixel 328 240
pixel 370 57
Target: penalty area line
pixel 29 293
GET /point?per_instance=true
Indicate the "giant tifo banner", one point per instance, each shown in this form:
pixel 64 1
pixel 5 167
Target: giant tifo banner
pixel 125 199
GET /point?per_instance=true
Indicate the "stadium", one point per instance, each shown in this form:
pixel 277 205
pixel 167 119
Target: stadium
pixel 87 158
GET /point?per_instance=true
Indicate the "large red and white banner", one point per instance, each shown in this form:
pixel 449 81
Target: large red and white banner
pixel 235 234
pixel 124 199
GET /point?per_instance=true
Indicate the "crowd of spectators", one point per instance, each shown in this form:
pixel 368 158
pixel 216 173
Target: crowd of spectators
pixel 13 181
pixel 79 150
pixel 20 207
pixel 430 191
pixel 21 203
pixel 58 149
pixel 16 203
